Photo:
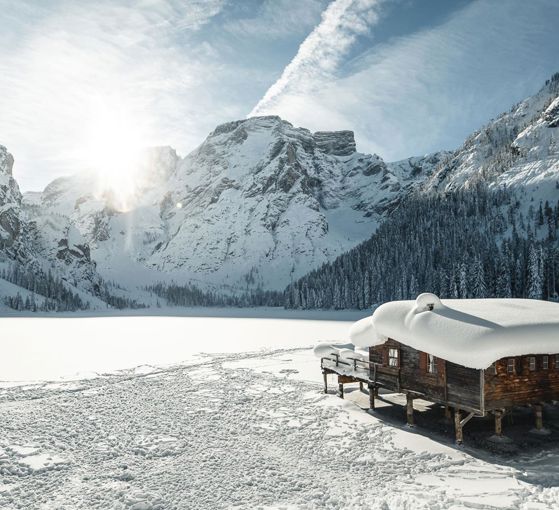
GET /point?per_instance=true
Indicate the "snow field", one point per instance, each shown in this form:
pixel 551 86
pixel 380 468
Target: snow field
pixel 234 431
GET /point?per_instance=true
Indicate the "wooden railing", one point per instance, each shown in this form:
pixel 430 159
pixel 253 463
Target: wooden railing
pixel 371 368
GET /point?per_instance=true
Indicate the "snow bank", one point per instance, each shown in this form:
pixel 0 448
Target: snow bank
pixel 471 332
pixel 344 351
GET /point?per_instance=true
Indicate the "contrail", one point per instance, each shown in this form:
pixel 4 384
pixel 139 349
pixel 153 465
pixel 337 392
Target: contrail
pixel 321 52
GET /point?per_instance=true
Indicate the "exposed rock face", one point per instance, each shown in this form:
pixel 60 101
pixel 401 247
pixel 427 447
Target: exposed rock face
pixel 336 143
pixel 10 201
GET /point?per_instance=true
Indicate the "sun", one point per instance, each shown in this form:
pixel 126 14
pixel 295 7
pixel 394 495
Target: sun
pixel 114 143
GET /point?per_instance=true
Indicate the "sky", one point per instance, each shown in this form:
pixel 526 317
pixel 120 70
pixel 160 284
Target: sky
pixel 84 82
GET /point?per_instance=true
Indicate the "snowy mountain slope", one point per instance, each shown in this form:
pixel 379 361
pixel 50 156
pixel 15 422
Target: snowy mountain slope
pixel 519 150
pixel 259 203
pixel 30 249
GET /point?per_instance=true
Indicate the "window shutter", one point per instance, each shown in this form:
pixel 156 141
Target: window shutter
pixel 423 361
pixel 385 356
pixel 439 363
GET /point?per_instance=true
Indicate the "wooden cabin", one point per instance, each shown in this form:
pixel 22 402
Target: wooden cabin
pixel 446 369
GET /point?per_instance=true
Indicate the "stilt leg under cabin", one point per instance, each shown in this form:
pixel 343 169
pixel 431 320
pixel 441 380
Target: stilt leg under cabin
pixel 458 427
pixel 498 423
pixel 372 391
pixel 409 410
pixel 539 416
pixel 341 390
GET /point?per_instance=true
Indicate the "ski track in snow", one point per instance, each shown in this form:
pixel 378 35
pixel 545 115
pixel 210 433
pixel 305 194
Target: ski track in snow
pixel 211 436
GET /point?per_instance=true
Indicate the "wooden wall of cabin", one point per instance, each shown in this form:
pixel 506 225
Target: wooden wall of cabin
pixel 463 386
pixel 451 383
pixel 387 376
pixel 523 386
pixel 414 374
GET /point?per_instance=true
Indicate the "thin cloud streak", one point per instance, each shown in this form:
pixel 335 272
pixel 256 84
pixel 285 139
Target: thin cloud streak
pixel 322 51
pixel 278 19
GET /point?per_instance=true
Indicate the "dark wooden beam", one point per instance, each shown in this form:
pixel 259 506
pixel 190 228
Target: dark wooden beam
pixel 325 375
pixel 409 410
pixel 372 392
pixel 458 427
pixel 538 409
pixel 498 423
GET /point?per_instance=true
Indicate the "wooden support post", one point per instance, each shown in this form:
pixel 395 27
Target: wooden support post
pixel 458 427
pixel 325 382
pixel 371 397
pixel 498 423
pixel 447 413
pixel 341 390
pixel 539 416
pixel 409 409
pixel 360 385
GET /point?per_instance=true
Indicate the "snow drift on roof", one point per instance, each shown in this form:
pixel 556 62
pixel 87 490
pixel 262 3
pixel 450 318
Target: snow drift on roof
pixel 470 332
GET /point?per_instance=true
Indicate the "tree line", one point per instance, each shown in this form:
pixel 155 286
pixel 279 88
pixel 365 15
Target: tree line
pixel 475 243
pixel 48 292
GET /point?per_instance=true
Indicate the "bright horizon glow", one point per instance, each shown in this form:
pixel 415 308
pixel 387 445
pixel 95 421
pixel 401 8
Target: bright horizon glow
pixel 112 149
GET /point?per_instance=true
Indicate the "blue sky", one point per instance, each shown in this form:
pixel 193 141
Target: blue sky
pixel 408 76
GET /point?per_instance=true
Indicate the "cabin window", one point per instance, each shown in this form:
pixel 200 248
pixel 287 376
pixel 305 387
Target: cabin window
pixel 557 362
pixel 545 362
pixel 532 363
pixel 511 365
pixel 393 358
pixel 431 366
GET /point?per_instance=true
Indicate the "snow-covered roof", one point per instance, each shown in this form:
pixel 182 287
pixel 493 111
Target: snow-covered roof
pixel 470 332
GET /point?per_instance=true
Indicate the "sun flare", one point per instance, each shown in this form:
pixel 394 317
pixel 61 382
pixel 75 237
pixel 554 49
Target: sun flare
pixel 113 150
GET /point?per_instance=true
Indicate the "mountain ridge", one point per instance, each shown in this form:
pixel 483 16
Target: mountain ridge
pixel 260 203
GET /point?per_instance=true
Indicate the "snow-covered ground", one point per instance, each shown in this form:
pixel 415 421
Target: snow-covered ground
pixel 225 429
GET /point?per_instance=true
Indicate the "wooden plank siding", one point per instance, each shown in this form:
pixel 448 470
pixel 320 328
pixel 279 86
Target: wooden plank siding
pixel 463 387
pixel 467 388
pixel 524 386
pixel 415 377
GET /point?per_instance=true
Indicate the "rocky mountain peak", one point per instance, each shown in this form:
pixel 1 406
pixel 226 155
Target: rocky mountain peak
pixel 336 143
pixel 10 201
pixel 6 161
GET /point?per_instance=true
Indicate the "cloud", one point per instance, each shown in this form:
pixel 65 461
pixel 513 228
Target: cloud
pixel 322 51
pixel 58 60
pixel 429 89
pixel 276 19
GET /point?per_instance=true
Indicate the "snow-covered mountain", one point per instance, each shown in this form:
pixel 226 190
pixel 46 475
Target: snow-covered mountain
pixel 258 204
pixel 485 223
pixel 518 150
pixel 43 254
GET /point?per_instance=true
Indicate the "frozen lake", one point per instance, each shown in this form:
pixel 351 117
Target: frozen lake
pixel 222 412
pixel 47 348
